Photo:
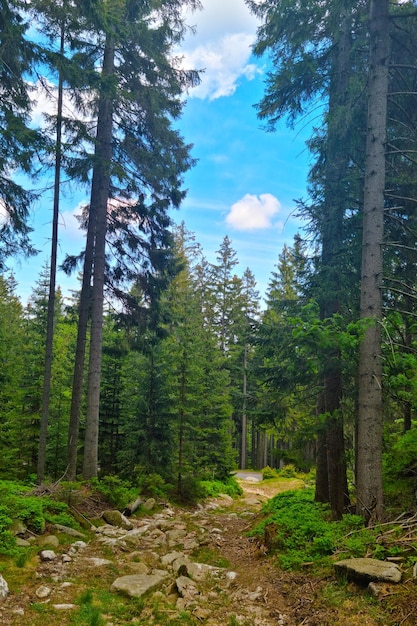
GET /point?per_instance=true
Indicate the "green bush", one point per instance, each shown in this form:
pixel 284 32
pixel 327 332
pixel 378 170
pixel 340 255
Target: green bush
pixel 302 529
pixel 213 488
pixel 116 491
pixel 268 473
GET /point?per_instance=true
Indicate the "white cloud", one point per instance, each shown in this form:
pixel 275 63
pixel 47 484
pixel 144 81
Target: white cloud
pixel 69 224
pixel 254 212
pixel 221 46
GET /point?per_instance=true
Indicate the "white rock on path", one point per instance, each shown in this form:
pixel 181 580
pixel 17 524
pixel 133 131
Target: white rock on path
pixel 136 585
pixel 4 588
pixel 368 570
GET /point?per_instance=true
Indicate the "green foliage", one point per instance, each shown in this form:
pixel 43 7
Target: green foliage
pixel 288 471
pixel 33 511
pixel 268 473
pixel 401 460
pixel 302 529
pixel 117 492
pixel 154 485
pixel 212 488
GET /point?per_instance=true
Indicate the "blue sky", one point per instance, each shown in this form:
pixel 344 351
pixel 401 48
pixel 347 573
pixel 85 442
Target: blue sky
pixel 245 180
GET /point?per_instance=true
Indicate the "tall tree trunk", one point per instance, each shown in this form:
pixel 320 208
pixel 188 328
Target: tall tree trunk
pixel 331 471
pixel 370 408
pixel 47 376
pixel 244 441
pixel 99 203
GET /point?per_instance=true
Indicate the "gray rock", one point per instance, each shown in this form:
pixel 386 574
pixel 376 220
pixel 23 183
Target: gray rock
pixel 47 555
pixel 115 518
pixel 169 558
pixel 97 562
pixel 48 540
pixel 43 592
pixel 186 587
pixel 22 543
pixel 4 588
pixel 149 504
pixel 366 570
pixel 79 545
pixel 68 531
pixel 137 585
pixel 196 571
pixel 17 528
pixel 64 607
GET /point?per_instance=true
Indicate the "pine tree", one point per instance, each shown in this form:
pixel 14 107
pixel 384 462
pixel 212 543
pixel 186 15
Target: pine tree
pixel 19 144
pixel 369 462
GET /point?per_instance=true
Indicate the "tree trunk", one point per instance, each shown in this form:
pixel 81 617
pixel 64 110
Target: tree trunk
pixel 370 408
pixel 244 440
pixel 99 203
pixel 47 376
pixel 331 470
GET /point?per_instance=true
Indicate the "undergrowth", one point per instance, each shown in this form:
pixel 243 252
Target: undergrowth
pixel 298 530
pixel 18 503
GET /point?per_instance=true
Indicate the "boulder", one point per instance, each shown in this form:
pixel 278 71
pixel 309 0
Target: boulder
pixel 68 531
pixel 115 518
pixel 47 555
pixel 137 585
pixel 366 570
pixel 4 588
pixel 49 540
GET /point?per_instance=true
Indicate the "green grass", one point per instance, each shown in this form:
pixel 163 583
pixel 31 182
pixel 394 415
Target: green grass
pixel 300 530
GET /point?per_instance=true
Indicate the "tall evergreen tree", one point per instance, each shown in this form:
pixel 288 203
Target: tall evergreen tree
pixel 369 468
pixel 19 144
pixel 138 161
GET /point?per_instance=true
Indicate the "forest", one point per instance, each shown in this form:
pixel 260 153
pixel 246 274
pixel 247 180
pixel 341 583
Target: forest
pixel 164 367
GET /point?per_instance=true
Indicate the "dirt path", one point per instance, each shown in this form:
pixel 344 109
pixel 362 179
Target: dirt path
pixel 249 590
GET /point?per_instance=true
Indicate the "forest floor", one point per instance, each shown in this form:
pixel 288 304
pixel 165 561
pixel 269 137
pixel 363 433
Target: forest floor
pixel 258 594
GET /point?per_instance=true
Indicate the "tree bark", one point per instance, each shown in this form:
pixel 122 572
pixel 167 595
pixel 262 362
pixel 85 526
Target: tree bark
pixel 331 468
pixel 370 408
pixel 49 344
pixel 99 203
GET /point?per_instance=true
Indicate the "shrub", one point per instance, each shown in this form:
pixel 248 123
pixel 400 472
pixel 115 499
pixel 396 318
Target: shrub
pixel 299 530
pixel 268 473
pixel 116 491
pixel 213 488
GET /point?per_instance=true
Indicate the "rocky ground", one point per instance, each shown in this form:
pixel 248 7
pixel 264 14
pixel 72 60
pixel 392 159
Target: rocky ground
pixel 175 567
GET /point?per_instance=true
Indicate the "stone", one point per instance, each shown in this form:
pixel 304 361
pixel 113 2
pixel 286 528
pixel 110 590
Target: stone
pixel 22 543
pixel 4 588
pixel 78 545
pixel 43 592
pixel 96 562
pixel 196 571
pixel 137 585
pixel 48 540
pixel 169 558
pixel 138 568
pixel 115 518
pixel 149 504
pixel 186 587
pixel 64 607
pixel 366 570
pixel 175 536
pixel 17 528
pixel 47 555
pixel 68 531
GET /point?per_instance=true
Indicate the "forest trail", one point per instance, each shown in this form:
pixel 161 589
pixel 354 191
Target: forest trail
pixel 245 589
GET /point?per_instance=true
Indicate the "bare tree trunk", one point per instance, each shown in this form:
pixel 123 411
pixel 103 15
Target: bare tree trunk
pixel 244 441
pixel 370 408
pixel 99 203
pixel 47 376
pixel 331 469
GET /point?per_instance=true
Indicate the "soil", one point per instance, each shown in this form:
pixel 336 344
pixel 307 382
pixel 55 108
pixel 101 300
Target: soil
pixel 262 594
